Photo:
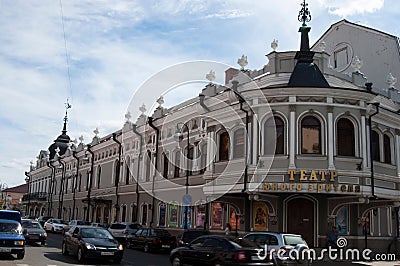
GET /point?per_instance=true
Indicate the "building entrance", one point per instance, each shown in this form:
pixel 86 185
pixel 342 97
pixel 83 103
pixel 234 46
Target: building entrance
pixel 300 218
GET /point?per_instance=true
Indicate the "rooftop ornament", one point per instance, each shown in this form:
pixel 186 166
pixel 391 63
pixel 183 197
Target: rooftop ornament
pixel 128 116
pixel 390 80
pixel 160 101
pixel 357 64
pixel 304 14
pixel 274 45
pixel 210 76
pixel 242 62
pixel 142 109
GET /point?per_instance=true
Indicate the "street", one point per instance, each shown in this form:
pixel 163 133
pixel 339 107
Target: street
pixel 37 255
pixel 50 255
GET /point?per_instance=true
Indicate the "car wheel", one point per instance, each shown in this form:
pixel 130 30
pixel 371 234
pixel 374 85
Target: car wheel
pixel 128 244
pixel 20 256
pixel 43 243
pixel 146 247
pixel 176 261
pixel 81 256
pixel 64 249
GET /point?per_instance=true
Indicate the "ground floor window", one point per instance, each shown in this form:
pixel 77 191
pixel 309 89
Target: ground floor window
pixel 173 216
pixel 260 216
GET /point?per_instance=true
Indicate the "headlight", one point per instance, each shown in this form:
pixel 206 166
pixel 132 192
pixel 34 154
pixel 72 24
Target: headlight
pixel 90 246
pixel 19 243
pixel 45 234
pixel 120 247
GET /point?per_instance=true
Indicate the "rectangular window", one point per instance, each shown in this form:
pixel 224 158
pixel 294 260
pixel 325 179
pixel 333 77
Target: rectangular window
pixel 341 58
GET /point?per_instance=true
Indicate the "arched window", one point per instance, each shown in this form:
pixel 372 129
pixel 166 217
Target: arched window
pixel 238 143
pixel 203 158
pixel 177 164
pixel 274 127
pixel 148 165
pixel 345 138
pixel 134 210
pixel 375 146
pixel 310 135
pixel 224 146
pixel 98 176
pixel 387 151
pixel 165 166
pixel 123 217
pixel 127 171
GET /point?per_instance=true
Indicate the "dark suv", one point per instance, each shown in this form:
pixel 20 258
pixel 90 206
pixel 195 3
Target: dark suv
pixel 189 236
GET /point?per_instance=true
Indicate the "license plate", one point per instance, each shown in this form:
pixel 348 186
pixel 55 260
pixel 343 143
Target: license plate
pixel 107 253
pixel 34 237
pixel 5 249
pixel 165 246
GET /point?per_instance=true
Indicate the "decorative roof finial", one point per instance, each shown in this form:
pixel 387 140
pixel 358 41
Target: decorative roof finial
pixel 160 101
pixel 390 80
pixel 67 106
pixel 128 116
pixel 210 76
pixel 242 62
pixel 304 14
pixel 96 132
pixel 274 45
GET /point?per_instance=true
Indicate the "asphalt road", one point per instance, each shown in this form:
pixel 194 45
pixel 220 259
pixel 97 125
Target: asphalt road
pixel 50 255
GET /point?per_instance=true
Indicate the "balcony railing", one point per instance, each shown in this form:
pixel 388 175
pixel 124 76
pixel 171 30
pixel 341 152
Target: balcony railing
pixel 37 196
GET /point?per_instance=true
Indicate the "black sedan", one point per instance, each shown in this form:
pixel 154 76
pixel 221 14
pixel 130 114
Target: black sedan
pixel 91 242
pixel 151 239
pixel 33 231
pixel 218 250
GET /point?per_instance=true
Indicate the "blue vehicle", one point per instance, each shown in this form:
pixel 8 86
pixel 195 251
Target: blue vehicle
pixel 10 215
pixel 12 240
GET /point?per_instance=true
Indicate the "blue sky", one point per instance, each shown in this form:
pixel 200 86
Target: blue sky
pixel 114 46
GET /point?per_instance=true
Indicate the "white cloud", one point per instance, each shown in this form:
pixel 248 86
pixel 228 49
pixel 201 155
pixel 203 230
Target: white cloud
pixel 347 8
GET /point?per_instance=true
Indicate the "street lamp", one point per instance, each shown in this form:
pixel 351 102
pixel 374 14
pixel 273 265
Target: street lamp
pixel 179 136
pixel 27 179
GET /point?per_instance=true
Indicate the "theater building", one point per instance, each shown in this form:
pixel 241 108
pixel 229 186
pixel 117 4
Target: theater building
pixel 322 145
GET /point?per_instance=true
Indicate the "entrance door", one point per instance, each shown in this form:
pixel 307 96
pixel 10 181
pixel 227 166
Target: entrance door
pixel 300 218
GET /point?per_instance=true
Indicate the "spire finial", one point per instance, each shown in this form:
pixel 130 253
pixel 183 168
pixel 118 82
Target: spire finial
pixel 67 106
pixel 304 14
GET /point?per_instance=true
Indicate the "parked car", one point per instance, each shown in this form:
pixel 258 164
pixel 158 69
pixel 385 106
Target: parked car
pixel 91 242
pixel 121 231
pixel 31 217
pixel 33 231
pixel 218 250
pixel 152 239
pixel 10 215
pixel 74 223
pixel 43 219
pixel 54 225
pixel 283 242
pixel 189 236
pixel 12 240
pixel 100 225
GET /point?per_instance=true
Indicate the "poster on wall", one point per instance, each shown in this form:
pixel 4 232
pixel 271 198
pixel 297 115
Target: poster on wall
pixel 187 209
pixel 161 219
pixel 216 216
pixel 260 216
pixel 200 216
pixel 173 216
pixel 341 221
pixel 232 217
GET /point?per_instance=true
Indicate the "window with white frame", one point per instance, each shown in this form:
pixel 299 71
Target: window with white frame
pixel 310 135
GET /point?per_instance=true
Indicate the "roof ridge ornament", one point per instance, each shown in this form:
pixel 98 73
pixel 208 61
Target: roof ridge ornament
pixel 304 14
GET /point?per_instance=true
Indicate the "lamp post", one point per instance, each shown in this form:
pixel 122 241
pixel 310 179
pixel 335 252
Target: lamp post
pixel 27 179
pixel 179 135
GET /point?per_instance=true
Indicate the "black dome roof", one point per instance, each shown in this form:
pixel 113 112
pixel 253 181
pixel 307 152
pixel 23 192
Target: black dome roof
pixel 61 142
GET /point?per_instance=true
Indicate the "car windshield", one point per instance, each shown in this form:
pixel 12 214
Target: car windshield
pixel 96 233
pixel 293 240
pixel 192 235
pixel 118 226
pixel 30 224
pixel 10 228
pixel 58 221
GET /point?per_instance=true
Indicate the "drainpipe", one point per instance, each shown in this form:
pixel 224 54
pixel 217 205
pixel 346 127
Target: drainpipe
pixel 134 128
pixel 74 184
pixel 61 195
pixel 376 104
pixel 90 182
pixel 117 175
pixel 50 196
pixel 150 119
pixel 201 98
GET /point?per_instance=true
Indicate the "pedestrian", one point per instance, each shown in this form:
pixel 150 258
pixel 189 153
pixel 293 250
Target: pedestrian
pixel 332 237
pixel 228 229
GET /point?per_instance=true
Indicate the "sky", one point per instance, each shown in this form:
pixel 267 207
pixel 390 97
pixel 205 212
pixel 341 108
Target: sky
pixel 97 53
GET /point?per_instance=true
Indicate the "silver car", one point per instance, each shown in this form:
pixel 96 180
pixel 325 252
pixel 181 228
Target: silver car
pixel 122 231
pixel 282 243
